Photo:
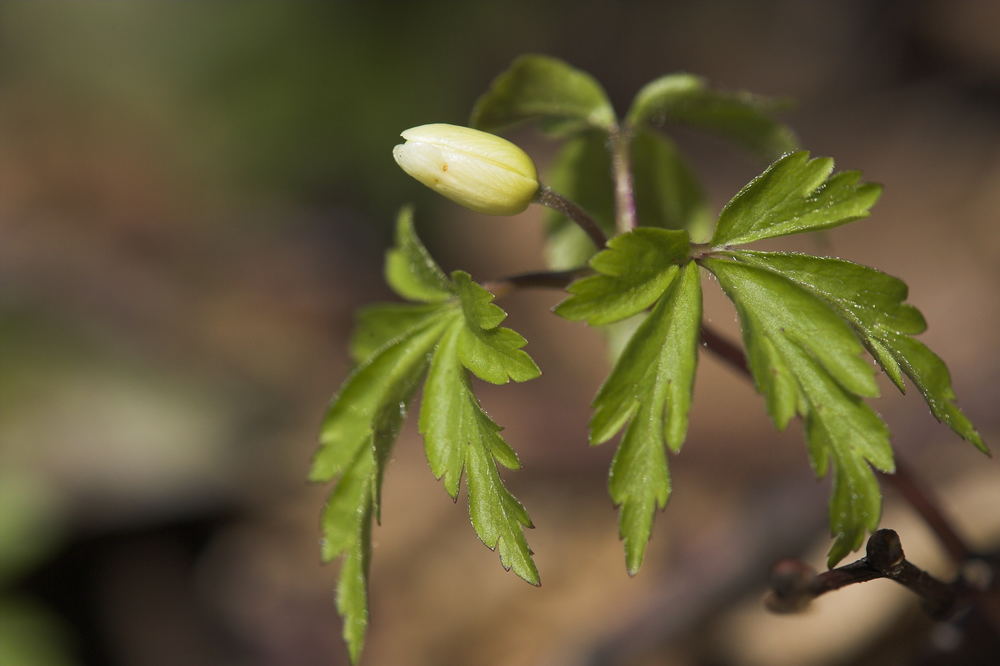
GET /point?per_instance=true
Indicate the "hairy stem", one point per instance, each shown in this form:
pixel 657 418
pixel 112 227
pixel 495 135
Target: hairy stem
pixel 551 199
pixel 624 185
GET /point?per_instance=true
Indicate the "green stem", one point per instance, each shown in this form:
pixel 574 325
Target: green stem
pixel 624 185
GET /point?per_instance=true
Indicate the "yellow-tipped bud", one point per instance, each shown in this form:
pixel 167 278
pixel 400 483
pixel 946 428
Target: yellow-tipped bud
pixel 476 169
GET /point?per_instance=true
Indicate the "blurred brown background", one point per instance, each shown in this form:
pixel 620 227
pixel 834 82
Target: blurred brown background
pixel 195 197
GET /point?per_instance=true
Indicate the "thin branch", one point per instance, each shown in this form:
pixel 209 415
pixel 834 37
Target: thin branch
pixel 548 197
pixel 540 279
pixel 795 584
pixel 725 349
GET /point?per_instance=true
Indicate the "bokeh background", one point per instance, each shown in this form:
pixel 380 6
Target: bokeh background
pixel 195 197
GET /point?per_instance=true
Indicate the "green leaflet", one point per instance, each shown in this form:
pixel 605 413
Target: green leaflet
pixel 382 323
pixel 805 359
pixel 652 382
pixel 491 352
pixel 459 435
pixel 537 87
pixel 633 272
pixel 740 117
pixel 347 531
pixel 458 326
pixel 794 195
pixel 873 303
pixel 386 379
pixel 347 519
pixel 409 268
pixel 581 171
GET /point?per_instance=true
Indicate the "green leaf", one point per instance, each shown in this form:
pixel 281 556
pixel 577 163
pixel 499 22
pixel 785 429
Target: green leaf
pixel 491 352
pixel 805 359
pixel 740 117
pixel 581 172
pixel 537 87
pixel 458 435
pixel 633 272
pixel 667 193
pixel 794 195
pixel 347 531
pixel 873 303
pixel 387 378
pixel 409 268
pixel 651 384
pixel 378 325
pixel 457 326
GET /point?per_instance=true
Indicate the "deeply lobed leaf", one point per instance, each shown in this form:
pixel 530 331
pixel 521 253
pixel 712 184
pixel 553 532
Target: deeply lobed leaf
pixel 873 303
pixel 633 272
pixel 457 325
pixel 805 359
pixel 458 435
pixel 651 384
pixel 794 195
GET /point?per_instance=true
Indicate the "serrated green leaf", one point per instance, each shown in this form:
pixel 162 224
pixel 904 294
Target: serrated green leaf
pixel 347 531
pixel 352 587
pixel 537 87
pixel 651 384
pixel 805 359
pixel 739 117
pixel 409 268
pixel 379 324
pixel 873 302
pixel 855 505
pixel 458 435
pixel 667 193
pixel 581 171
pixel 388 378
pixel 491 352
pixel 633 272
pixel 794 195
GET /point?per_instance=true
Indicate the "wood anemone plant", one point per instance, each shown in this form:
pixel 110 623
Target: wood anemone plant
pixel 630 236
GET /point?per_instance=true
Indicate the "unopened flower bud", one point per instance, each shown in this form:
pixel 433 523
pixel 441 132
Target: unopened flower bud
pixel 478 170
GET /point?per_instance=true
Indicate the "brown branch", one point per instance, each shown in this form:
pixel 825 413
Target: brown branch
pixel 794 584
pixel 538 279
pixel 725 349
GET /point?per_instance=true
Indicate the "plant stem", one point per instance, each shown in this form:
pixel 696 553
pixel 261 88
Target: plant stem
pixel 624 185
pixel 725 349
pixel 550 198
pixel 795 584
pixel 543 279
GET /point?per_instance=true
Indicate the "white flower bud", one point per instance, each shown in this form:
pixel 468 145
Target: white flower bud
pixel 478 170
